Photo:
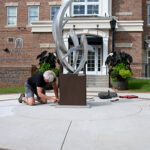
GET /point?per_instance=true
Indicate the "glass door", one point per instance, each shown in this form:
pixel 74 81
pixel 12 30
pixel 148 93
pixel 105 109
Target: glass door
pixel 94 61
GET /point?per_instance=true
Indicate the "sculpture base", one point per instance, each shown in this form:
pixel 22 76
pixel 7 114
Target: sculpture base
pixel 72 89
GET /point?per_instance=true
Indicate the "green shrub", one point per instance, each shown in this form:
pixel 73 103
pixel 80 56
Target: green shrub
pixel 114 74
pixel 46 66
pixel 125 73
pixel 47 61
pixel 120 72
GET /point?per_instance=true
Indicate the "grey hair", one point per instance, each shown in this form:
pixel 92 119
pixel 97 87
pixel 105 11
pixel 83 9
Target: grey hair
pixel 49 75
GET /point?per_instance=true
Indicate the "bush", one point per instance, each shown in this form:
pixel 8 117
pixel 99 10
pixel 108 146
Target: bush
pixel 47 62
pixel 120 72
pixel 125 74
pixel 119 65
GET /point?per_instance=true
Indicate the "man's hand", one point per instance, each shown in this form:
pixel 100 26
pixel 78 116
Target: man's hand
pixel 54 100
pixel 57 99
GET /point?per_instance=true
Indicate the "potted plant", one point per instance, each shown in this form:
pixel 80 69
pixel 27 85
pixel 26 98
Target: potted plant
pixel 119 69
pixel 47 61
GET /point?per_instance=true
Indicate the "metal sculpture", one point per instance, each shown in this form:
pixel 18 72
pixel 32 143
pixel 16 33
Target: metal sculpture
pixel 61 49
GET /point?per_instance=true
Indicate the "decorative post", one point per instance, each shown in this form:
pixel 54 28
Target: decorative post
pixel 113 26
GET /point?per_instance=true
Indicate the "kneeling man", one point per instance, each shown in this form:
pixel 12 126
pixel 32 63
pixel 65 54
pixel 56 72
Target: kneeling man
pixel 35 85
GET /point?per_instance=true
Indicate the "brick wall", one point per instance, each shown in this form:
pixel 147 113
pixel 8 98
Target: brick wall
pixel 11 76
pixel 130 10
pixel 31 42
pixel 127 9
pixel 135 51
pixel 26 56
pixel 16 65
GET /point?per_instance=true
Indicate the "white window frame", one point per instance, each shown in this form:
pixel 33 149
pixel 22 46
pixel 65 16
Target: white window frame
pixel 51 10
pixel 29 22
pixel 12 25
pixel 86 3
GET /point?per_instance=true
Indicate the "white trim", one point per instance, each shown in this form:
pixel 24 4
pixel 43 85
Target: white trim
pixel 41 26
pixel 125 45
pixel 131 25
pixel 47 45
pixel 55 3
pixel 86 3
pixel 124 13
pixel 11 4
pixel 95 72
pixel 33 3
pixel 28 14
pixel 87 23
pixel 7 17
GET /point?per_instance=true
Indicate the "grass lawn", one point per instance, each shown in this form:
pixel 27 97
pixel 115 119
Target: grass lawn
pixel 135 85
pixel 139 85
pixel 12 90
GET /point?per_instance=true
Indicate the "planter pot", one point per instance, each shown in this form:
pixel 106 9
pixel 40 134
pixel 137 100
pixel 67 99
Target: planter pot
pixel 120 85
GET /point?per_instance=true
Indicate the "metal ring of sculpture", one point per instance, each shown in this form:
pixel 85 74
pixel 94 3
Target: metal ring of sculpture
pixel 61 49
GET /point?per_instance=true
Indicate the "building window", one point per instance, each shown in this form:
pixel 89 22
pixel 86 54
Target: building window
pixel 86 7
pixel 53 11
pixel 11 16
pixel 33 14
pixel 148 14
pixel 148 57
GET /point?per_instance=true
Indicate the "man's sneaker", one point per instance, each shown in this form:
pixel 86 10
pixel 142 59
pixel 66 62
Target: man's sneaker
pixel 20 98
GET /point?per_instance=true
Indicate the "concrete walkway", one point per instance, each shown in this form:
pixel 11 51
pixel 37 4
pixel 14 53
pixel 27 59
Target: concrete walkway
pixel 105 125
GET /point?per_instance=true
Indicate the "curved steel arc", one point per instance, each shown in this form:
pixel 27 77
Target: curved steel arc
pixel 58 25
pixel 61 49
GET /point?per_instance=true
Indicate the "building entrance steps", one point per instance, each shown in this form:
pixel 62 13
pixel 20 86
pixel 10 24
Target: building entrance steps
pixel 98 81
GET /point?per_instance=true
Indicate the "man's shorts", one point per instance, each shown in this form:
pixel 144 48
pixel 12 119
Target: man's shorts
pixel 29 91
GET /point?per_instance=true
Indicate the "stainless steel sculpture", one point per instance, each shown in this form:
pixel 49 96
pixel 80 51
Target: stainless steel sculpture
pixel 61 49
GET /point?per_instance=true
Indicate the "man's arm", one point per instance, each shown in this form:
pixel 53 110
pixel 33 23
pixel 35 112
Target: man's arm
pixel 55 89
pixel 40 94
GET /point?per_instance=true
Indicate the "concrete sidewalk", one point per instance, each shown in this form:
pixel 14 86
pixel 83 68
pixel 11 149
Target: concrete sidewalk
pixel 105 125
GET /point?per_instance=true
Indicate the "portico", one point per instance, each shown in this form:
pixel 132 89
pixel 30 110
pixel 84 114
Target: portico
pixel 97 32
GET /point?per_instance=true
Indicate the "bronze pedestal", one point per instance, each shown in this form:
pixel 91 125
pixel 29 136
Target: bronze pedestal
pixel 72 89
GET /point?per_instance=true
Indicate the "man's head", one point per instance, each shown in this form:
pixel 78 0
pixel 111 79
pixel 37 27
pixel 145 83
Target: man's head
pixel 49 76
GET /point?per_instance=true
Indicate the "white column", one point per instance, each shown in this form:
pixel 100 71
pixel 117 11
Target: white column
pixel 105 54
pixel 67 46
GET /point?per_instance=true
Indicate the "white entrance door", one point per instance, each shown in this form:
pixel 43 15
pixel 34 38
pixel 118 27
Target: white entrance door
pixel 94 61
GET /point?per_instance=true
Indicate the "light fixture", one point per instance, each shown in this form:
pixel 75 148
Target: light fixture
pixel 97 28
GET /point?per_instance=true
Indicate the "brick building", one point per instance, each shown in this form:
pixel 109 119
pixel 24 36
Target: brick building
pixel 26 30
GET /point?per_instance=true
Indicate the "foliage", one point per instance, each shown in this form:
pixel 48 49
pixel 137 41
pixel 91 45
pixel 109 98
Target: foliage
pixel 119 57
pixel 48 58
pixel 120 72
pixel 119 65
pixel 43 67
pixel 47 62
